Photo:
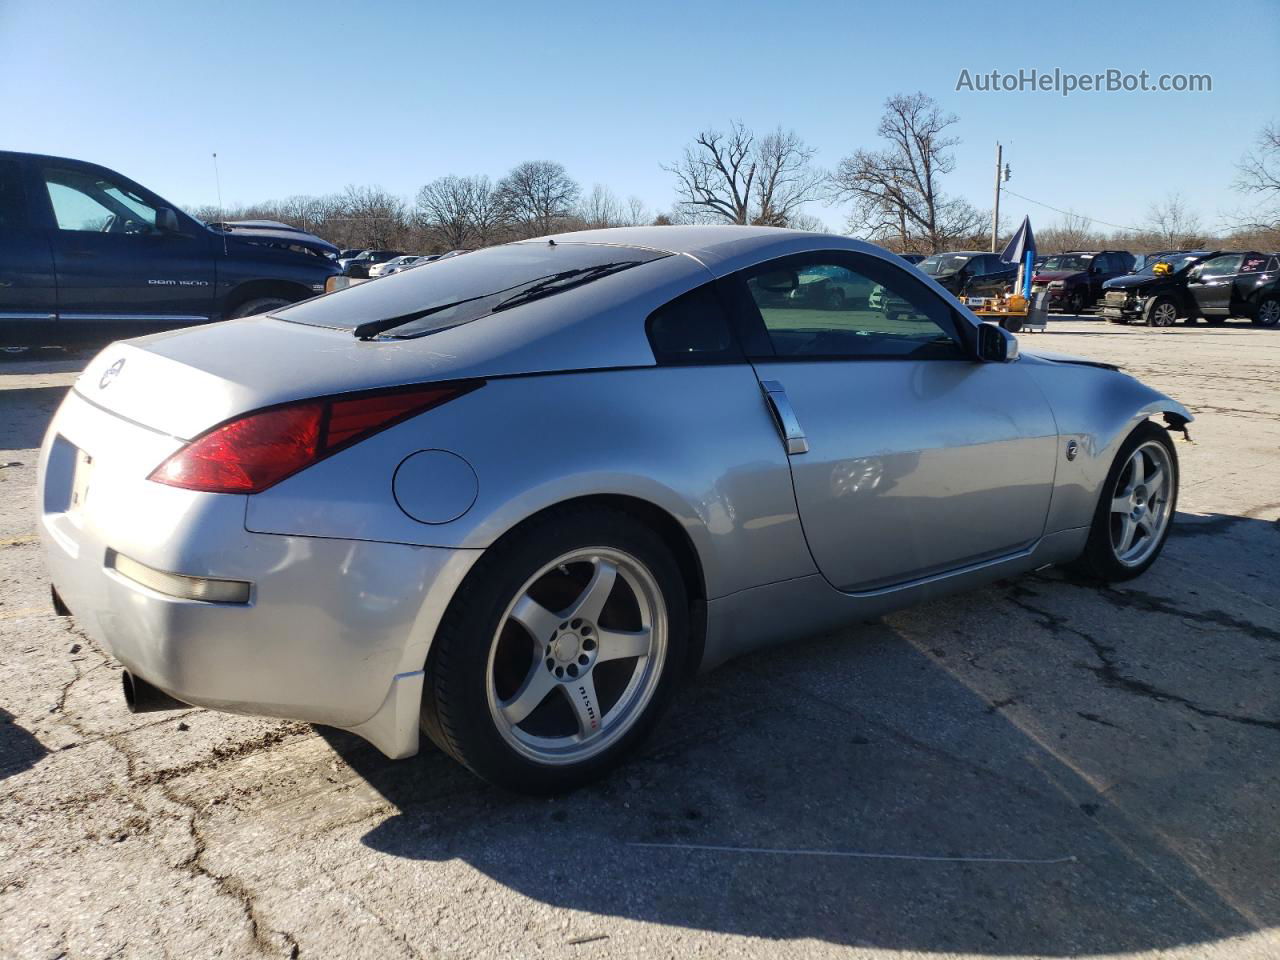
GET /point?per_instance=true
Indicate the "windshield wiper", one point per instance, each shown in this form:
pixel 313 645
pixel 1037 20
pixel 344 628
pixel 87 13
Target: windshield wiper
pixel 370 329
pixel 562 281
pixel 541 288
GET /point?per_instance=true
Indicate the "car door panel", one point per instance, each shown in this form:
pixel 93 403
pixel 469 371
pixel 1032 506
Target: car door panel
pixel 908 457
pixel 28 291
pixel 914 468
pixel 1247 285
pixel 1211 288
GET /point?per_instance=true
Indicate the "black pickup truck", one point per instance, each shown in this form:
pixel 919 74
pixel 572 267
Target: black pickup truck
pixel 87 255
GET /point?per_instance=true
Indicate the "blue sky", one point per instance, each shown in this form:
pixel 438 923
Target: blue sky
pixel 307 97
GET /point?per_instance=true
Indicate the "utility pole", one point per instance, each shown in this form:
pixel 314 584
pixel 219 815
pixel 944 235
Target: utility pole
pixel 995 212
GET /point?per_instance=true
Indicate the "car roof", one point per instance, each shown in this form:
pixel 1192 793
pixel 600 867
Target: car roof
pixel 721 248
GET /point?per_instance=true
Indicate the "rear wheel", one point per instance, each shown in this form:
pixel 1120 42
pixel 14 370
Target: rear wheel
pixel 559 652
pixel 1131 523
pixel 1268 313
pixel 252 308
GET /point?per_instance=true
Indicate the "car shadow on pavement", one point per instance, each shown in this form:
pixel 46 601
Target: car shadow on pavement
pixel 25 414
pixel 19 749
pixel 1015 783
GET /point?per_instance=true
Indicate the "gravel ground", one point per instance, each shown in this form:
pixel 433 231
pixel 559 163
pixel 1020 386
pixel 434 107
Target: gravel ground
pixel 1116 749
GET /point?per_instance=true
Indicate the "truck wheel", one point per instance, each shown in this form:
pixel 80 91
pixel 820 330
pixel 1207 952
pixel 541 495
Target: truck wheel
pixel 252 308
pixel 1162 313
pixel 1079 300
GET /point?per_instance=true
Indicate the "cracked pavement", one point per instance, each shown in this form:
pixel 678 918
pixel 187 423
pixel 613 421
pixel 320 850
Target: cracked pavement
pixel 1121 742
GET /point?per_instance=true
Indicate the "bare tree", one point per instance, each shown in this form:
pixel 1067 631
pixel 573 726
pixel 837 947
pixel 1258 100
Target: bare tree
pixel 444 209
pixel 1073 232
pixel 1258 174
pixel 897 192
pixel 1173 225
pixel 600 208
pixel 490 214
pixel 785 179
pixel 540 196
pixel 734 178
pixel 461 212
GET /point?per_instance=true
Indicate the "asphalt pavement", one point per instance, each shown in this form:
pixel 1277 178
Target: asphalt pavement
pixel 1039 768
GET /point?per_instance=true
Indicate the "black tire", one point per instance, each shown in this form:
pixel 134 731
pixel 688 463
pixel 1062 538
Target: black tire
pixel 1079 301
pixel 1268 314
pixel 455 706
pixel 252 308
pixel 1012 324
pixel 1162 312
pixel 1099 562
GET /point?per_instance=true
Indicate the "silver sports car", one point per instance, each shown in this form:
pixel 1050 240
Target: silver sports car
pixel 514 500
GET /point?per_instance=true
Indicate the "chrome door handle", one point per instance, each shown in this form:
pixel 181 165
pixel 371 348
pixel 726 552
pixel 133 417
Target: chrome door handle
pixel 784 417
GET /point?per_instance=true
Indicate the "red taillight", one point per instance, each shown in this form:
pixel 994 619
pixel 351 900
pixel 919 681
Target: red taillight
pixel 252 452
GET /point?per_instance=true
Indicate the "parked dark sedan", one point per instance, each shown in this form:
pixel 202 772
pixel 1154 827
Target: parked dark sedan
pixel 1213 285
pixel 970 272
pixel 1074 280
pixel 359 267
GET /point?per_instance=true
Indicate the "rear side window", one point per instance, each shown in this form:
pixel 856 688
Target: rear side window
pixel 13 198
pixel 692 328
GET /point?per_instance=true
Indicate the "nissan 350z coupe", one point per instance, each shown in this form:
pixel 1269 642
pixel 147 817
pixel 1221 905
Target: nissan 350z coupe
pixel 512 499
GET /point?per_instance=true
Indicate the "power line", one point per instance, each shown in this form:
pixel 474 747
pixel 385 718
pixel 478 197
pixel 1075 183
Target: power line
pixel 1072 213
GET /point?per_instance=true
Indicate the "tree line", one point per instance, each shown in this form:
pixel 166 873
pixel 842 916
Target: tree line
pixel 894 194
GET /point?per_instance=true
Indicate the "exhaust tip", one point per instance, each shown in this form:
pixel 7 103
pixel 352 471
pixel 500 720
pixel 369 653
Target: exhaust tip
pixel 142 697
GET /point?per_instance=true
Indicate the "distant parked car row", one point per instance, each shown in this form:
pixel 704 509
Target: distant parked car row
pixel 1192 285
pixel 371 264
pixel 1155 288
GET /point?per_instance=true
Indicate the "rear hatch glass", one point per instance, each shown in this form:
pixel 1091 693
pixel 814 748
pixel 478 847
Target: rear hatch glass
pixel 460 289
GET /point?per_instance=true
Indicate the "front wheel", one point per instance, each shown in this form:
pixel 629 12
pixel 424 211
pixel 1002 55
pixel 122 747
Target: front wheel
pixel 1079 301
pixel 251 308
pixel 559 652
pixel 1162 313
pixel 1139 497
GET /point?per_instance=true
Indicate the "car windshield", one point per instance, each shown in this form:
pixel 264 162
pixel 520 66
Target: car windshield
pixel 1177 262
pixel 1069 261
pixel 943 263
pixel 413 303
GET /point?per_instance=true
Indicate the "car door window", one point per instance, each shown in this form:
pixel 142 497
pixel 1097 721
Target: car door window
pixel 84 201
pixel 1224 266
pixel 1252 263
pixel 850 307
pixel 976 266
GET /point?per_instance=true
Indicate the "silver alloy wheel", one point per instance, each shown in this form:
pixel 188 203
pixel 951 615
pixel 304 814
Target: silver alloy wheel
pixel 1269 313
pixel 1164 315
pixel 613 629
pixel 1140 503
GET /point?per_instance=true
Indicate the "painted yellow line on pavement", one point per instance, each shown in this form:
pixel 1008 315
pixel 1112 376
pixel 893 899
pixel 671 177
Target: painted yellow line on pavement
pixel 17 541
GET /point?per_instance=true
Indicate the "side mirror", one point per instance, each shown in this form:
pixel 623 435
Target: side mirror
pixel 166 220
pixel 996 344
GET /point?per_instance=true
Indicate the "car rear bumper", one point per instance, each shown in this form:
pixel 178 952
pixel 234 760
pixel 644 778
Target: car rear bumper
pixel 332 631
